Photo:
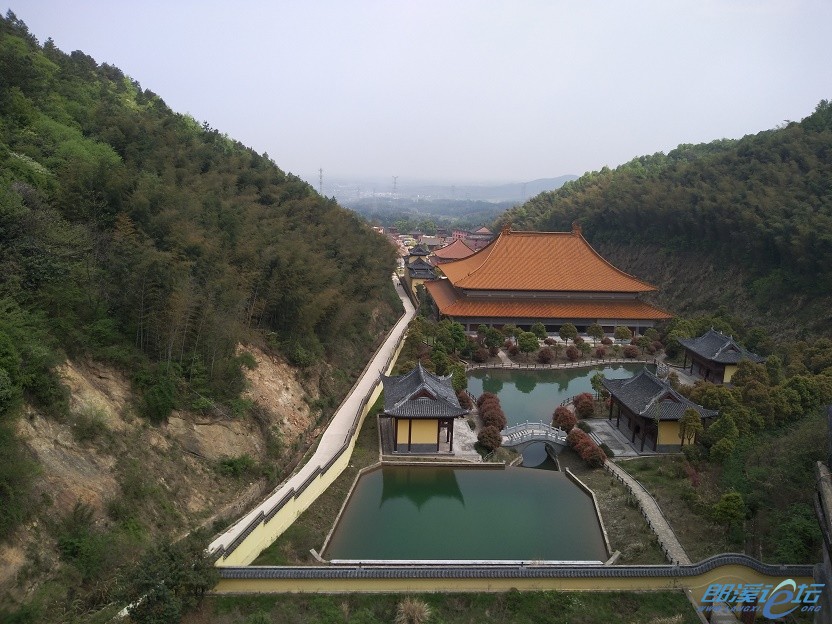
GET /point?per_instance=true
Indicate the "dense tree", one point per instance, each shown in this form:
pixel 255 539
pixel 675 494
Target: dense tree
pixel 596 332
pixel 597 383
pixel 568 332
pixel 622 333
pixel 690 425
pixel 527 342
pixel 539 330
pixel 730 509
pixel 493 337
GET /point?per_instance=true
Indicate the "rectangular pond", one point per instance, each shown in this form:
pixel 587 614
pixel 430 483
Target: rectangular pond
pixel 430 513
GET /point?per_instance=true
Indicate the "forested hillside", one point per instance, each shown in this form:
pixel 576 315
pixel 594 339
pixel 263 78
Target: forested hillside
pixel 758 209
pixel 135 237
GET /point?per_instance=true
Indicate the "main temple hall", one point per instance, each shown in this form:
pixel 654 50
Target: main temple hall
pixel 553 278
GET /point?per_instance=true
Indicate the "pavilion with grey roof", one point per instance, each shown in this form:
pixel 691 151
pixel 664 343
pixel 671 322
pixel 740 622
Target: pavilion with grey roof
pixel 714 356
pixel 648 408
pixel 422 407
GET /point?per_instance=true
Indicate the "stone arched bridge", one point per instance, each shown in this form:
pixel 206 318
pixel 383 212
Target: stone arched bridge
pixel 520 436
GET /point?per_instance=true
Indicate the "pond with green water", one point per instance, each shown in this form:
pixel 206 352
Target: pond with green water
pixel 533 395
pixel 430 513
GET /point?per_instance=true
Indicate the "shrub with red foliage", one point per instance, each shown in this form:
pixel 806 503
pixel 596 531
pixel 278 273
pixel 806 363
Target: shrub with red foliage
pixel 600 352
pixel 493 417
pixel 490 438
pixel 493 351
pixel 550 341
pixel 584 405
pixel 606 340
pixel 563 418
pixel 573 353
pixel 578 340
pixel 585 447
pixel 513 350
pixel 630 351
pixel 658 346
pixel 507 343
pixel 481 355
pixel 545 356
pixel 594 457
pixel 574 436
pixel 690 471
pixel 485 396
pixel 464 400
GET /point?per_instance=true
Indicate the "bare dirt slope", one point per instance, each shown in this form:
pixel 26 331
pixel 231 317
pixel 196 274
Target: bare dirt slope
pixel 104 452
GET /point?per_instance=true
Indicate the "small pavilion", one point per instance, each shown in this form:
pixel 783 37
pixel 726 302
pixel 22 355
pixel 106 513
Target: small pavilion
pixel 422 407
pixel 418 272
pixel 714 356
pixel 648 408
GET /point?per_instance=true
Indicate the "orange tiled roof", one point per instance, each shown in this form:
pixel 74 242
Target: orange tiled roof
pixel 455 251
pixel 543 261
pixel 450 303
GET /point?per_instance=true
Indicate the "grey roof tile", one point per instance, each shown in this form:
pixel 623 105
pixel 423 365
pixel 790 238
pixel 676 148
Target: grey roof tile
pixel 420 394
pixel 717 347
pixel 647 395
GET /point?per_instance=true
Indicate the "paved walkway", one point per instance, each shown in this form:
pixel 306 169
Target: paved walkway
pixel 333 438
pixel 605 431
pixel 653 514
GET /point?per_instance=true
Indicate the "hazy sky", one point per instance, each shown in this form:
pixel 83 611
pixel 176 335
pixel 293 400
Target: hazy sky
pixel 461 91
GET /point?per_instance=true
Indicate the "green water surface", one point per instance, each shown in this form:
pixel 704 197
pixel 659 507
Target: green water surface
pixel 420 512
pixel 533 395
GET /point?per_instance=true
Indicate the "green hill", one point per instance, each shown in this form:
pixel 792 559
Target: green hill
pixel 149 247
pixel 134 233
pixel 745 223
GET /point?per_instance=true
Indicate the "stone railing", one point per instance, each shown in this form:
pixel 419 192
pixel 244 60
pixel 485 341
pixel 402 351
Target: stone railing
pixel 568 365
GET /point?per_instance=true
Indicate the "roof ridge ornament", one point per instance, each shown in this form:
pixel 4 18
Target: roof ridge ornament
pixel 576 228
pixel 506 228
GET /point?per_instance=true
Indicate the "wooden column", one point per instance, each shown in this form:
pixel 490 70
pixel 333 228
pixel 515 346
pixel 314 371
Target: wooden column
pixel 409 433
pixel 452 435
pixel 396 434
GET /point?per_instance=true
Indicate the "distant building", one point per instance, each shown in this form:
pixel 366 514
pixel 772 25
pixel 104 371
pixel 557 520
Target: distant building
pixel 417 252
pixel 648 409
pixel 714 356
pixel 422 407
pixel 553 278
pixel 431 242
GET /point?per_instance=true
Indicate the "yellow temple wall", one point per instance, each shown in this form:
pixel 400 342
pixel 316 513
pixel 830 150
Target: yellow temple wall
pixel 668 433
pixel 424 431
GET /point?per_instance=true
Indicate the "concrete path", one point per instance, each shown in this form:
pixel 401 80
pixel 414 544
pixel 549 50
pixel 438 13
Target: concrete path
pixel 333 438
pixel 653 514
pixel 606 432
pixel 464 440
